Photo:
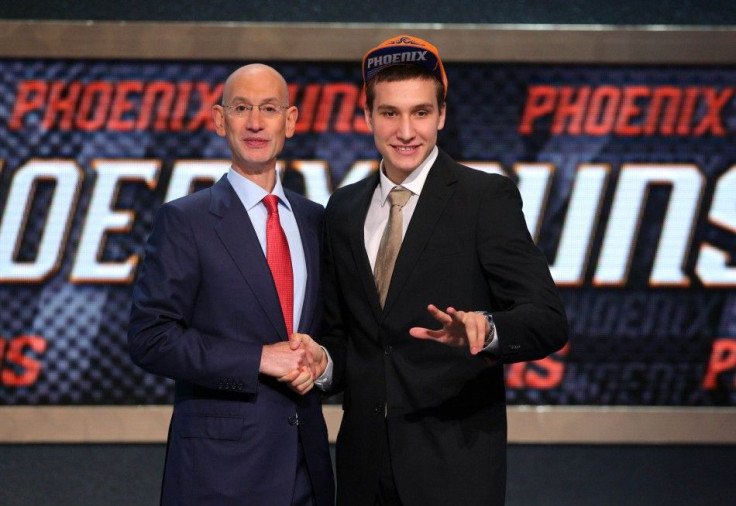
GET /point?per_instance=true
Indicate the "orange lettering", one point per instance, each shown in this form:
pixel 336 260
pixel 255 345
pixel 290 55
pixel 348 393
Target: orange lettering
pixel 722 358
pixel 540 101
pixel 30 97
pixel 24 369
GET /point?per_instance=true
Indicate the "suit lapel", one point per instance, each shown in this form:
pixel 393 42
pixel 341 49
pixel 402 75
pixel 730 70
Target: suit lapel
pixel 356 216
pixel 436 192
pixel 310 245
pixel 239 238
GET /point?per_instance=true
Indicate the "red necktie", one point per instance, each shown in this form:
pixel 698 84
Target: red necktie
pixel 279 260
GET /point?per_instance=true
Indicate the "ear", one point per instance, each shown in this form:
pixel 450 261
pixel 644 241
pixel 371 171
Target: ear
pixel 443 111
pixel 218 116
pixel 368 117
pixel 292 113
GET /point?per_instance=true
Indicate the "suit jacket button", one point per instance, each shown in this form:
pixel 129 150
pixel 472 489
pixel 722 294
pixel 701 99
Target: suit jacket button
pixel 294 420
pixel 378 408
pixel 387 350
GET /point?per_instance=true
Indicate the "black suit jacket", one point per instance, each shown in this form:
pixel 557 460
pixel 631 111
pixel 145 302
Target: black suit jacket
pixel 203 307
pixel 467 246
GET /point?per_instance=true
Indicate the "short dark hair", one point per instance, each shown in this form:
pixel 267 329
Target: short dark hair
pixel 402 73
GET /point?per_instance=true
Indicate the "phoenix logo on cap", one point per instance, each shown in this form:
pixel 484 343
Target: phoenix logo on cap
pixel 401 50
pixel 404 40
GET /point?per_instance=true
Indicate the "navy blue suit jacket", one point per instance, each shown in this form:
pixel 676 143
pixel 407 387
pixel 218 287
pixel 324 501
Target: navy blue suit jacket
pixel 203 307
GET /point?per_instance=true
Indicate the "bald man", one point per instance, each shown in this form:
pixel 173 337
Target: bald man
pixel 230 274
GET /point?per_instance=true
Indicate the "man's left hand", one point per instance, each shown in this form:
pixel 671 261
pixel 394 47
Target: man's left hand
pixel 302 380
pixel 459 328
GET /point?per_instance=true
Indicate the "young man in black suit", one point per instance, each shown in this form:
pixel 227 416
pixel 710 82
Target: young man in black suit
pixel 424 410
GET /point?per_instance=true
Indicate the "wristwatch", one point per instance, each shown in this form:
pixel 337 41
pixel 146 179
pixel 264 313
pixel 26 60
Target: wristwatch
pixel 491 327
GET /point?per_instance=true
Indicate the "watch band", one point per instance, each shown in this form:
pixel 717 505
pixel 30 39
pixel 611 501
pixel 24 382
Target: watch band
pixel 491 327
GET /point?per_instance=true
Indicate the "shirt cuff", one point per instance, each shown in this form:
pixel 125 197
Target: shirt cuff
pixel 493 348
pixel 491 345
pixel 324 382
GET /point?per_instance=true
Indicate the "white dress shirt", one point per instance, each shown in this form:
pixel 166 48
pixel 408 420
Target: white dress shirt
pixel 251 195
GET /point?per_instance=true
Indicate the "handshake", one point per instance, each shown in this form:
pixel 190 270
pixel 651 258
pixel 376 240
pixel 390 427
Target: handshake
pixel 297 362
pixel 300 360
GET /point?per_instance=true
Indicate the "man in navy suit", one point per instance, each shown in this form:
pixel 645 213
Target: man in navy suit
pixel 211 311
pixel 424 413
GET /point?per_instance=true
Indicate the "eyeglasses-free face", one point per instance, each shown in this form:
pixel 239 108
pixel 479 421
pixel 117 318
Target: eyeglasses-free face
pixel 405 120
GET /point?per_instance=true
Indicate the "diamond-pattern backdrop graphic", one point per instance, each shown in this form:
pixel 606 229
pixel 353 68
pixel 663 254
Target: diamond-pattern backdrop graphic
pixel 630 345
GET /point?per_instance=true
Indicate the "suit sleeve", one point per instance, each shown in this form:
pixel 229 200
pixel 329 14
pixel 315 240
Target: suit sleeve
pixel 333 335
pixel 531 322
pixel 161 336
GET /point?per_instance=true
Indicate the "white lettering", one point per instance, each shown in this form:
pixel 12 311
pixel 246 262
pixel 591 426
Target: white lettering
pixel 185 174
pixel 534 183
pixel 625 220
pixel 67 178
pixel 102 219
pixel 580 225
pixel 316 174
pixel 713 263
pixel 359 170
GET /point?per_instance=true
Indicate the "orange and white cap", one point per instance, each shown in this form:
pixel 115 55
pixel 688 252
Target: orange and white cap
pixel 404 50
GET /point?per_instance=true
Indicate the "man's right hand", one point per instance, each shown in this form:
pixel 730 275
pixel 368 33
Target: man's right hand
pixel 316 353
pixel 282 358
pixel 301 379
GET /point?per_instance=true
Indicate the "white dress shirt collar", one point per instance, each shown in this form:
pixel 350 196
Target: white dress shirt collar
pixel 251 194
pixel 414 181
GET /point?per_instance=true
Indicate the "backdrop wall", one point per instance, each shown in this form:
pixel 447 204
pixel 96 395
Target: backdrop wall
pixel 620 142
